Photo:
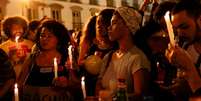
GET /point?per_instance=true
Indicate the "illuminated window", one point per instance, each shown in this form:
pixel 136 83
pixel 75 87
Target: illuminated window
pixel 110 3
pixel 93 2
pixel 124 2
pixel 56 12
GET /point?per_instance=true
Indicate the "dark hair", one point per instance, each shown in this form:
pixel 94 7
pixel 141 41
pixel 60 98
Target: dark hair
pixel 107 16
pixel 193 8
pixel 162 9
pixel 61 32
pixel 89 31
pixel 7 23
pixel 33 25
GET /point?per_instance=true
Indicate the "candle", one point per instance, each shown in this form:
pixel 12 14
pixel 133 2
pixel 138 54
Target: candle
pixel 70 56
pixel 17 41
pixel 16 93
pixel 83 87
pixel 169 28
pixel 55 68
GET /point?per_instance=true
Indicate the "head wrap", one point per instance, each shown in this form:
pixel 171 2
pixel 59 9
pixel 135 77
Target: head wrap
pixel 131 17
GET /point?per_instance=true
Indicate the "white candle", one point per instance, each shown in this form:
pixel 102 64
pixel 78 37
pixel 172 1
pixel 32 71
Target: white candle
pixel 17 41
pixel 70 56
pixel 16 93
pixel 169 28
pixel 83 87
pixel 55 68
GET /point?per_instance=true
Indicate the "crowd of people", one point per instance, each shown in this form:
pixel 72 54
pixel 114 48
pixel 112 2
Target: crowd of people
pixel 49 62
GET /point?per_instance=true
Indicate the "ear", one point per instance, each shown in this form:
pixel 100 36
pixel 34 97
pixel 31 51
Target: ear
pixel 199 21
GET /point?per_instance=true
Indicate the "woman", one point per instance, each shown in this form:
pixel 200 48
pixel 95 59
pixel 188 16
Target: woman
pixel 127 62
pixel 52 42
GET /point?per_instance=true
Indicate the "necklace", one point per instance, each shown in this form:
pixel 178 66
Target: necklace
pixel 119 53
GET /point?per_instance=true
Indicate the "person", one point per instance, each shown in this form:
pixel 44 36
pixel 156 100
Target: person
pixel 53 41
pixel 32 28
pixel 127 62
pixel 17 48
pixel 185 56
pixel 7 77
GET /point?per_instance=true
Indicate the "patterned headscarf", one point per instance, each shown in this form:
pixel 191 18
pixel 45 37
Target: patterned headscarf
pixel 131 17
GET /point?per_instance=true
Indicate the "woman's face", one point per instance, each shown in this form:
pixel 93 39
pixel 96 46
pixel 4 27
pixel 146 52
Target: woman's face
pixel 102 34
pixel 117 28
pixel 48 40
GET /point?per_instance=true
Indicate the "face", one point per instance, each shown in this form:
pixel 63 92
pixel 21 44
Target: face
pixel 101 34
pixel 48 40
pixel 16 30
pixel 186 27
pixel 117 28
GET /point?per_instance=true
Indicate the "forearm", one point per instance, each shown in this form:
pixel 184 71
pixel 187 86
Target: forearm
pixel 192 76
pixel 8 84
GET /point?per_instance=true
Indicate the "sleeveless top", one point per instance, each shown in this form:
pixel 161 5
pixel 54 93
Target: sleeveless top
pixel 43 75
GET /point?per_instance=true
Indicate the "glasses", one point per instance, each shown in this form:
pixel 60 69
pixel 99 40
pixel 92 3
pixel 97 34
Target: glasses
pixel 44 36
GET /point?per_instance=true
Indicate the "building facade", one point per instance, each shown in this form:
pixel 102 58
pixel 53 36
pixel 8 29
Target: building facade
pixel 72 13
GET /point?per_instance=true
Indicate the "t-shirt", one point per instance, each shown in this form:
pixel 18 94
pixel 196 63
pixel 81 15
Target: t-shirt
pixel 17 53
pixel 124 67
pixel 194 55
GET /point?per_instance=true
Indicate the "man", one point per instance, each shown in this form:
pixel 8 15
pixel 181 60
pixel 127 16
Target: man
pixel 186 20
pixel 16 47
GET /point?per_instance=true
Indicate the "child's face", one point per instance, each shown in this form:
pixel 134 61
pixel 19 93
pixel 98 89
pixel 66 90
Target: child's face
pixel 16 30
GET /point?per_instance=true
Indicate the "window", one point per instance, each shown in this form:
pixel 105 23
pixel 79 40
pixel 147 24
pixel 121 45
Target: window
pixel 32 13
pixel 124 3
pixel 110 3
pixel 93 2
pixel 56 12
pixel 77 25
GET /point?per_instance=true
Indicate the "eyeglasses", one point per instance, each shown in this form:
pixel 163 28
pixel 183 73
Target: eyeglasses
pixel 44 36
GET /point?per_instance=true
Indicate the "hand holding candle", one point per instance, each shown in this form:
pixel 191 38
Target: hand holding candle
pixel 169 28
pixel 55 68
pixel 16 92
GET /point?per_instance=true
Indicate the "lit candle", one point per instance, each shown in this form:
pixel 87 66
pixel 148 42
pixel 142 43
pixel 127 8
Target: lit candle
pixel 169 28
pixel 17 41
pixel 16 93
pixel 70 56
pixel 55 68
pixel 83 87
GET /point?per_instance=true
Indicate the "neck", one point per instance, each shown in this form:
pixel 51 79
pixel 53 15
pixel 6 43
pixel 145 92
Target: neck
pixel 50 53
pixel 125 43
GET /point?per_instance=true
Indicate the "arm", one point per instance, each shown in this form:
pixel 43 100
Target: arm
pixel 141 81
pixel 181 59
pixel 6 87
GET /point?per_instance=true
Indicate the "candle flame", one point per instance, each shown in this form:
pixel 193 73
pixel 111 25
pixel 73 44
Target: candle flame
pixel 17 38
pixel 82 79
pixel 15 85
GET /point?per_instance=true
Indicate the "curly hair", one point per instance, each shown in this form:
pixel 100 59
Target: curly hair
pixel 61 32
pixel 7 23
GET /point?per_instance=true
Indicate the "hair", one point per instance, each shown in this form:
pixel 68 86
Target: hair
pixel 106 15
pixel 33 25
pixel 61 32
pixel 89 30
pixel 7 23
pixel 193 8
pixel 162 9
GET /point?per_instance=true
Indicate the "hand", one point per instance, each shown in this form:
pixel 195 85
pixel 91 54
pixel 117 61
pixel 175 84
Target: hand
pixel 60 82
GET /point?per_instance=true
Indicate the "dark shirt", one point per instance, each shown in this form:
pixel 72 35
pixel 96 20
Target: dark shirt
pixel 43 76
